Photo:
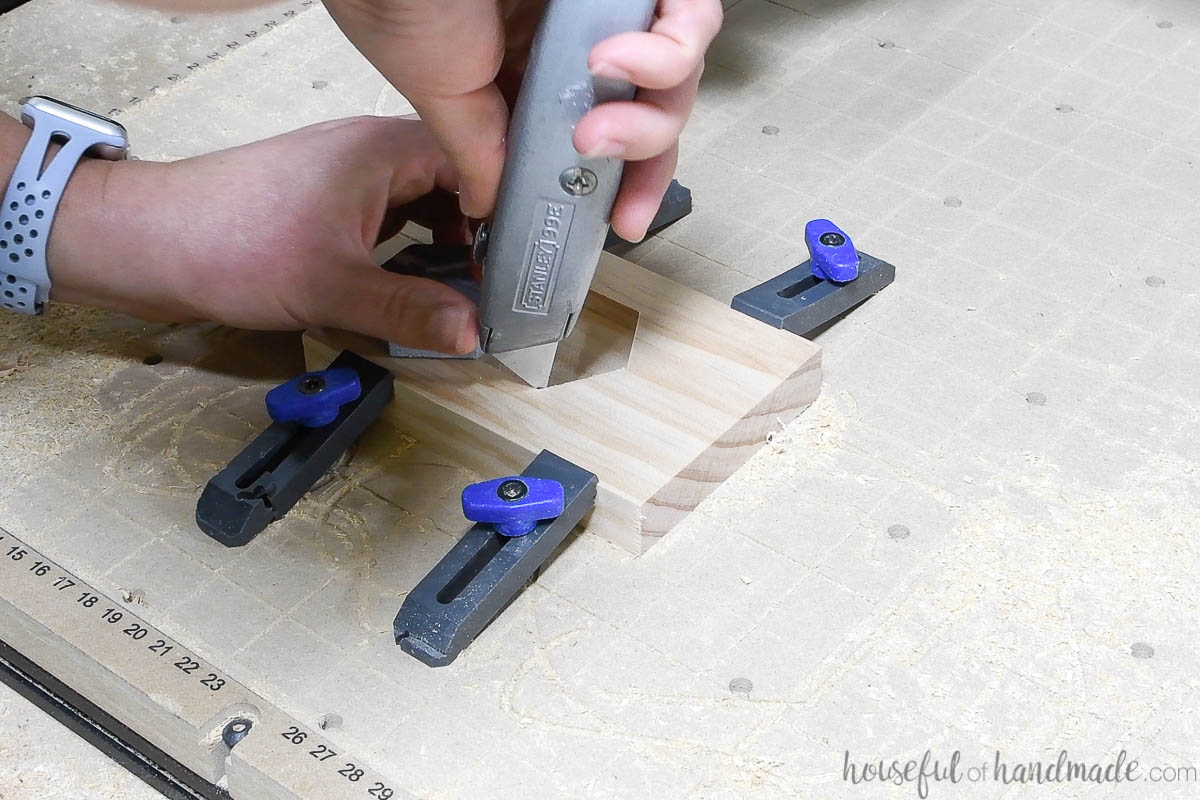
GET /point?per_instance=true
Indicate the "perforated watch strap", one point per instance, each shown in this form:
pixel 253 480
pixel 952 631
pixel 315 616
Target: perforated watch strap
pixel 28 211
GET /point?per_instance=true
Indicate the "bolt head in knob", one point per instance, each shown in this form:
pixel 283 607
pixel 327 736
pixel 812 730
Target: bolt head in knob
pixel 314 399
pixel 514 505
pixel 834 257
pixel 313 384
pixel 512 490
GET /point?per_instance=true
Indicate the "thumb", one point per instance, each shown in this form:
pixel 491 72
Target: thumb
pixel 412 312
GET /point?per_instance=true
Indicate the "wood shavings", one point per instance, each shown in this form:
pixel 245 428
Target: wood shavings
pixel 9 364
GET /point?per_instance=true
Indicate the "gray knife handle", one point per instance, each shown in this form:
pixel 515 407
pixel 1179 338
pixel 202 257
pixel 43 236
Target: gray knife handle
pixel 554 205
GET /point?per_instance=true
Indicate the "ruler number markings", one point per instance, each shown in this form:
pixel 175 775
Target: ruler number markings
pixel 348 770
pixel 101 612
pixel 96 608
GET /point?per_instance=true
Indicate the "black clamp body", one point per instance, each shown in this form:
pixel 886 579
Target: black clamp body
pixel 486 570
pixel 264 481
pixel 800 302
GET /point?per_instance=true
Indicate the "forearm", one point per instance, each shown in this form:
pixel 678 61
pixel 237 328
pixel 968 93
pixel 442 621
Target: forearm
pixel 13 136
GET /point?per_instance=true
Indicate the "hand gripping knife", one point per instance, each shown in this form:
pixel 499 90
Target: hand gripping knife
pixel 541 249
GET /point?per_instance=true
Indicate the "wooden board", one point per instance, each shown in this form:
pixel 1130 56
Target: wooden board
pixel 701 388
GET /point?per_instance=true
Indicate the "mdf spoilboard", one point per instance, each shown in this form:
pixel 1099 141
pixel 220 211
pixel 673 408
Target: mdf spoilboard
pixel 677 391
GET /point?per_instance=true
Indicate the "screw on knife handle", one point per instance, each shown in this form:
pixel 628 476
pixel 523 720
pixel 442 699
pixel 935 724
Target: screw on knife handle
pixel 834 257
pixel 314 399
pixel 514 505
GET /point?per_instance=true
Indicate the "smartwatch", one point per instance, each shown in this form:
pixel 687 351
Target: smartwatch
pixel 37 186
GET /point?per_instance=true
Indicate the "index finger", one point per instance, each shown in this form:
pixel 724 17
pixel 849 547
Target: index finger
pixel 472 129
pixel 443 56
pixel 669 53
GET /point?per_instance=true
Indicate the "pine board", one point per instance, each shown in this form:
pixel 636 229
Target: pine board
pixel 701 389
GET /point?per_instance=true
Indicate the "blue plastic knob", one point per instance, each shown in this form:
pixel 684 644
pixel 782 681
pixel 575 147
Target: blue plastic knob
pixel 314 399
pixel 834 257
pixel 514 505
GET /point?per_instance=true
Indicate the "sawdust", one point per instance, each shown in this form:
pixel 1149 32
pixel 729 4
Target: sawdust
pixel 9 363
pixel 817 430
pixel 51 371
pixel 815 433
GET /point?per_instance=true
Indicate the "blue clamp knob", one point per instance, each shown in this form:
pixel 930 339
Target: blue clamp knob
pixel 514 505
pixel 834 257
pixel 315 399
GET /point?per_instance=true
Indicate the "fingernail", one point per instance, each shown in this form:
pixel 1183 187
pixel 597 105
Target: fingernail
pixel 636 235
pixel 602 69
pixel 639 238
pixel 451 329
pixel 464 203
pixel 467 203
pixel 605 148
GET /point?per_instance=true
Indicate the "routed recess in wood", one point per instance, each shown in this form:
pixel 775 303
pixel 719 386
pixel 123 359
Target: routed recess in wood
pixel 600 343
pixel 702 386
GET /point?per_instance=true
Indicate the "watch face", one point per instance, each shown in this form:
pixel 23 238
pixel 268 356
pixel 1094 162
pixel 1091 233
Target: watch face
pixel 112 141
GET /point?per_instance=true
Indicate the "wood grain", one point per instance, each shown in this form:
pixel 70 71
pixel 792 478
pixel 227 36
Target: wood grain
pixel 702 388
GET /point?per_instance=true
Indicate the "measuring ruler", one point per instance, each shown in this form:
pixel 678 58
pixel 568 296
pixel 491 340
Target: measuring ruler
pixel 179 703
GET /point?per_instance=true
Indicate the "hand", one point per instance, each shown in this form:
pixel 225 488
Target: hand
pixel 275 235
pixel 459 62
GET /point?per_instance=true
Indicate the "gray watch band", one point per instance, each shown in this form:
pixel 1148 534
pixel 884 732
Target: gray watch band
pixel 34 193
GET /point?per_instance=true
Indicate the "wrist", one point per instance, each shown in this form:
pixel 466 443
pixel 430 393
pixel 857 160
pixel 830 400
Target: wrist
pixel 73 235
pixel 108 247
